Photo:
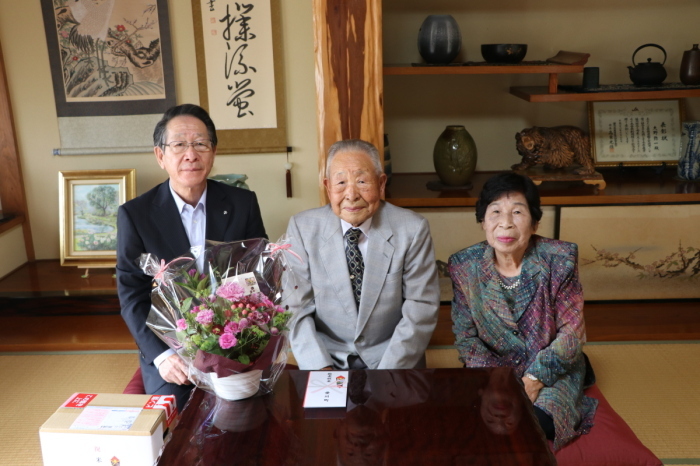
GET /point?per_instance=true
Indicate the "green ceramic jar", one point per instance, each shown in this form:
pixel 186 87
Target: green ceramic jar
pixel 454 156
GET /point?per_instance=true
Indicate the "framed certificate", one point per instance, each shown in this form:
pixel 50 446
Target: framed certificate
pixel 635 132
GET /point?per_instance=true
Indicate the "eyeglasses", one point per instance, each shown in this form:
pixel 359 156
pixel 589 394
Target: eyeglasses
pixel 180 147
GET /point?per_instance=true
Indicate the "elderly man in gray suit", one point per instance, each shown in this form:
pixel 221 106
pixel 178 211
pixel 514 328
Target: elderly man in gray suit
pixel 367 291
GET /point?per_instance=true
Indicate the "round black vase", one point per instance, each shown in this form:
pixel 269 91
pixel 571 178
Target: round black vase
pixel 439 39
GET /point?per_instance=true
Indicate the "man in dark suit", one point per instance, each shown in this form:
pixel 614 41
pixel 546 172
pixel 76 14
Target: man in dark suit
pixel 167 221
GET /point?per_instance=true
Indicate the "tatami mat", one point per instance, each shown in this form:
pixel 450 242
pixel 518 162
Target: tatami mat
pixel 652 386
pixel 35 385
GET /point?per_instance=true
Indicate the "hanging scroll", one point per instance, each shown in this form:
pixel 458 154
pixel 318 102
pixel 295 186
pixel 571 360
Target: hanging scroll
pixel 112 72
pixel 240 73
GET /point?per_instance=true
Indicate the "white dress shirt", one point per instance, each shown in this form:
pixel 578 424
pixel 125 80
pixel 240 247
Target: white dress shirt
pixel 194 219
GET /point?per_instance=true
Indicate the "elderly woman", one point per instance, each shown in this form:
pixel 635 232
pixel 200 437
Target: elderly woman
pixel 518 303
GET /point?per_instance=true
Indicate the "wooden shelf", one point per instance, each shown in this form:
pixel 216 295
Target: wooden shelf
pixel 615 321
pixel 46 278
pixel 407 69
pixel 637 185
pixel 542 94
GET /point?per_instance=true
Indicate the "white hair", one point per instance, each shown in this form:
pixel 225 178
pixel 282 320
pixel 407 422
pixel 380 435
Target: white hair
pixel 349 145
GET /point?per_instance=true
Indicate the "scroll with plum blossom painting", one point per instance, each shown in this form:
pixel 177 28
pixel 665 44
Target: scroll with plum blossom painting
pixel 111 65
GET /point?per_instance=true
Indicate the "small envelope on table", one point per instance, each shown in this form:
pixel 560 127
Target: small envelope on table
pixel 326 389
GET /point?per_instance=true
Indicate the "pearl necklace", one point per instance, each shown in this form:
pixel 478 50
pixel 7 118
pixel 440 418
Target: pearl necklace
pixel 509 287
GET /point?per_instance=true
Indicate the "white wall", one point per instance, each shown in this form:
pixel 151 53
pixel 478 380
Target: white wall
pixel 29 79
pixel 12 250
pixel 417 108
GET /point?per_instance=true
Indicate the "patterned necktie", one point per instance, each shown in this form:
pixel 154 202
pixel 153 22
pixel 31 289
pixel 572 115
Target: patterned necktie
pixel 356 265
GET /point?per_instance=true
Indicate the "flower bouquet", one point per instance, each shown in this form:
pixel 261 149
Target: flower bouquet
pixel 226 321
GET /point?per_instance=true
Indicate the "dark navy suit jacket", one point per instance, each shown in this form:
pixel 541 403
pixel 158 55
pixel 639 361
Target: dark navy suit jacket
pixel 151 223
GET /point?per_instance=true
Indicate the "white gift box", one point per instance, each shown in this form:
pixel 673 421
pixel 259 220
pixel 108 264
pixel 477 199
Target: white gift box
pixel 107 430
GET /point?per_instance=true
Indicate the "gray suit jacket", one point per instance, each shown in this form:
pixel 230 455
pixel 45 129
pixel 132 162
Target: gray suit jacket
pixel 400 294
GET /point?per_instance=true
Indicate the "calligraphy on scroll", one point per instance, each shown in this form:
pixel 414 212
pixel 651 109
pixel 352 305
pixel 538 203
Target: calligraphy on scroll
pixel 240 74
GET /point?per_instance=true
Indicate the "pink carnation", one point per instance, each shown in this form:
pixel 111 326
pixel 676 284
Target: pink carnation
pixel 259 317
pixel 231 327
pixel 181 324
pixel 231 291
pixel 227 340
pixel 205 317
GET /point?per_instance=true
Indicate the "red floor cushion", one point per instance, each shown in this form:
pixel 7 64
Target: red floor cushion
pixel 135 385
pixel 611 442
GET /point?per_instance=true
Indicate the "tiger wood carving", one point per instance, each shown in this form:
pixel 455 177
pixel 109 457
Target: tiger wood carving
pixel 555 147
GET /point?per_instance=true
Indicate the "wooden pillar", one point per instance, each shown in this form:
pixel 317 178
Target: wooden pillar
pixel 14 201
pixel 348 65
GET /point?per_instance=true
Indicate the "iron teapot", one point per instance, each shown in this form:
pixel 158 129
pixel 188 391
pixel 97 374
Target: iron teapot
pixel 649 73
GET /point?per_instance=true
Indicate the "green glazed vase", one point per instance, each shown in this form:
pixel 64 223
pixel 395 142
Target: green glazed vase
pixel 454 156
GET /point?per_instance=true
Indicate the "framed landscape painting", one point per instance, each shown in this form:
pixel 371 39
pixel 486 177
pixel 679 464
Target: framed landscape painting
pixel 88 203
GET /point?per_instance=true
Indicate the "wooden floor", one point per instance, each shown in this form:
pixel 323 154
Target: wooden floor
pixel 46 307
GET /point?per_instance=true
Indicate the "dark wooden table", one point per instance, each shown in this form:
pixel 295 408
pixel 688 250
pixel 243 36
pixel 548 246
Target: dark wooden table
pixel 397 417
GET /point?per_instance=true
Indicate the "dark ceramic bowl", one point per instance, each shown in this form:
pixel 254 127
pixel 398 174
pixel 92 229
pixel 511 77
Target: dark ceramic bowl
pixel 503 53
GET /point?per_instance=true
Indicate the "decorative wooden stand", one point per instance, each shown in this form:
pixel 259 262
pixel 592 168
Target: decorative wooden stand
pixel 539 174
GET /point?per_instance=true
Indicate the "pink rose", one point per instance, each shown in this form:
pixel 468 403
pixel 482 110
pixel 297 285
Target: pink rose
pixel 227 340
pixel 181 324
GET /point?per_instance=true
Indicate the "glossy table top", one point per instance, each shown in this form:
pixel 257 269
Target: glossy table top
pixel 393 417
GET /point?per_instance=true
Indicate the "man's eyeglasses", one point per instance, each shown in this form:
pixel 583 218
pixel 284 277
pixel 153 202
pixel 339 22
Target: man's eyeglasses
pixel 180 147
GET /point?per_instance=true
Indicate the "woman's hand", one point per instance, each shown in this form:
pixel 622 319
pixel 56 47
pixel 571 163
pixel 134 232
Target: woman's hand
pixel 532 388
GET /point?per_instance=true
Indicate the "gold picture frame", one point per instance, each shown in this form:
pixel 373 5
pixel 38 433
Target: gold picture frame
pixel 635 133
pixel 88 202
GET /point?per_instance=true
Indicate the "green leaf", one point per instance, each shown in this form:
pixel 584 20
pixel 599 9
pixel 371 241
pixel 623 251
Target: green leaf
pixel 189 288
pixel 186 304
pixel 244 359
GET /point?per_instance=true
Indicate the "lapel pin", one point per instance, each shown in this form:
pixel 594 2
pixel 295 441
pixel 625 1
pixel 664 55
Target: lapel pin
pixel 225 212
